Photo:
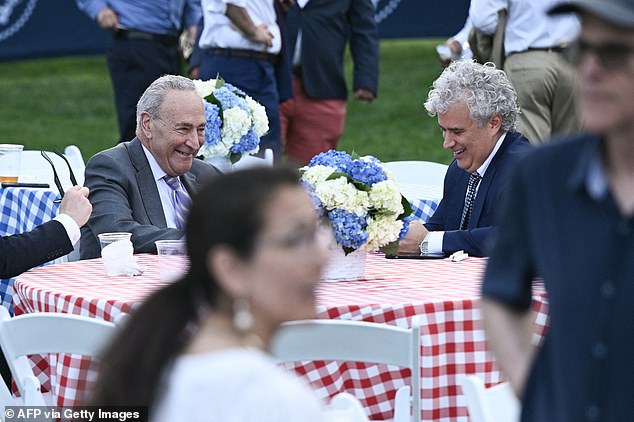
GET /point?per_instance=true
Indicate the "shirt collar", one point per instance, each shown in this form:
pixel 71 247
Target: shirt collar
pixel 483 168
pixel 589 171
pixel 157 171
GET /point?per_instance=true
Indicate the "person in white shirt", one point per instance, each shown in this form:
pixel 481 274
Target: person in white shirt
pixel 537 48
pixel 197 349
pixel 241 42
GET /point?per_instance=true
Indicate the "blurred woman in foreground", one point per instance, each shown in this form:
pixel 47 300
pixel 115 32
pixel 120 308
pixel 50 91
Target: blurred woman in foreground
pixel 196 350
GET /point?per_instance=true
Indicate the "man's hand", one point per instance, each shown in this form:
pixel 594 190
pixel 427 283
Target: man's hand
pixel 410 244
pixel 107 18
pixel 364 95
pixel 76 204
pixel 262 35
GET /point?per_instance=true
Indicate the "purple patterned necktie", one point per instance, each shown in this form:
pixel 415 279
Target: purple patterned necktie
pixel 181 200
pixel 474 180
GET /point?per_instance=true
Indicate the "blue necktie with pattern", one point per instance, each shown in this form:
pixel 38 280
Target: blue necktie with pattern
pixel 180 199
pixel 474 180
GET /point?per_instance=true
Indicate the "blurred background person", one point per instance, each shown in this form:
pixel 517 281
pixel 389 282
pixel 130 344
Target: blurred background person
pixel 456 47
pixel 538 52
pixel 144 186
pixel 197 349
pixel 144 46
pixel 241 42
pixel 570 220
pixel 313 119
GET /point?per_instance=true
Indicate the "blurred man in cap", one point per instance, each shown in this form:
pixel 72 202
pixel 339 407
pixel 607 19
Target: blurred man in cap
pixel 570 219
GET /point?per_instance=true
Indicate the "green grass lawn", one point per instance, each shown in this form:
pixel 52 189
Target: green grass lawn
pixel 51 103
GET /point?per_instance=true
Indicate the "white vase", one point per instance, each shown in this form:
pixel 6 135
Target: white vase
pixel 221 163
pixel 344 267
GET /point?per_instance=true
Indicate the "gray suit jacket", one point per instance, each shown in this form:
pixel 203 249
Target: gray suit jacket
pixel 125 198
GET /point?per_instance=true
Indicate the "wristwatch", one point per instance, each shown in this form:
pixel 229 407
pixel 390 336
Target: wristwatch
pixel 424 246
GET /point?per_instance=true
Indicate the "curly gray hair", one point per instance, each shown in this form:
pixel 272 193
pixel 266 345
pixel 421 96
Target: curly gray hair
pixel 484 89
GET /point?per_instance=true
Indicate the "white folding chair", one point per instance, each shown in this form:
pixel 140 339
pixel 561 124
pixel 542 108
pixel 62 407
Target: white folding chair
pixel 35 169
pixel 494 404
pixel 47 333
pixel 418 172
pixel 357 341
pixel 250 161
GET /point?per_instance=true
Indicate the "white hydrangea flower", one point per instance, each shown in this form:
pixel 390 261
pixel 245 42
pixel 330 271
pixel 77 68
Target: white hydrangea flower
pixel 220 149
pixel 235 124
pixel 204 88
pixel 338 193
pixel 382 230
pixel 258 113
pixel 385 196
pixel 316 174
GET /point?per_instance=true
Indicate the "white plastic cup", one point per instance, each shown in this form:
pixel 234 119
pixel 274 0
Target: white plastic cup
pixel 116 252
pixel 10 158
pixel 173 260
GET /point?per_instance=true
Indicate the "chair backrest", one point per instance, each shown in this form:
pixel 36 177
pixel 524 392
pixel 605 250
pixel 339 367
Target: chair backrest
pixel 494 404
pixel 44 333
pixel 35 169
pixel 356 341
pixel 249 161
pixel 418 172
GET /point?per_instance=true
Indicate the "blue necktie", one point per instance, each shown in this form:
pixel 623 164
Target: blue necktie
pixel 181 200
pixel 474 180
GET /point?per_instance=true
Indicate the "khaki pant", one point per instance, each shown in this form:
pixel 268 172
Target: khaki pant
pixel 546 89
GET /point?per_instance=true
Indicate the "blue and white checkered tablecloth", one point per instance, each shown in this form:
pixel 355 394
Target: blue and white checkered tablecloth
pixel 21 210
pixel 424 199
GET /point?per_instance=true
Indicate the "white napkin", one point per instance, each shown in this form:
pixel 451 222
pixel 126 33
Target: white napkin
pixel 345 407
pixel 118 259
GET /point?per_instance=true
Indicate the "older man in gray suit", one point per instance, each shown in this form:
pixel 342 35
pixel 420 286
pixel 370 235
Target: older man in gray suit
pixel 142 186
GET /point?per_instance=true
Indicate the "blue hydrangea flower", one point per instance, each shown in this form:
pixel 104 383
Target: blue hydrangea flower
pixel 228 99
pixel 349 229
pixel 212 127
pixel 247 143
pixel 340 160
pixel 235 89
pixel 368 171
pixel 405 227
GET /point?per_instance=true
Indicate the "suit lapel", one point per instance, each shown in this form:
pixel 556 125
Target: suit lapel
pixel 147 185
pixel 486 182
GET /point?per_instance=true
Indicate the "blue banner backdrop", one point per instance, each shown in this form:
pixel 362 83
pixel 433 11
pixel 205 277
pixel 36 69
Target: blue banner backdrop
pixel 44 28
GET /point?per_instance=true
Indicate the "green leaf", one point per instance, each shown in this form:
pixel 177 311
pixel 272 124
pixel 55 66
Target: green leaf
pixel 234 157
pixel 390 249
pixel 359 185
pixel 407 208
pixel 219 81
pixel 347 250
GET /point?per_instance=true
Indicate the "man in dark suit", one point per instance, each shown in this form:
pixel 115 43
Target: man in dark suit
pixel 48 241
pixel 317 31
pixel 477 109
pixel 131 184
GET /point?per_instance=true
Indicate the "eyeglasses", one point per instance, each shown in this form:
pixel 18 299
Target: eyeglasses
pixel 611 56
pixel 58 183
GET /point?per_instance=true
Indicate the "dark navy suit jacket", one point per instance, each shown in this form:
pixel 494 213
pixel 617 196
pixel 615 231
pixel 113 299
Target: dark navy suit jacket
pixel 326 27
pixel 474 240
pixel 22 252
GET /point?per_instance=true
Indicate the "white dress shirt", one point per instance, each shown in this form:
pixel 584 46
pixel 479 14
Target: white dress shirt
pixel 528 25
pixel 219 31
pixel 165 192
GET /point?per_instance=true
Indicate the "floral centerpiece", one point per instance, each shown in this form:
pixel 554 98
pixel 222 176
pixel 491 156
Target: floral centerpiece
pixel 235 121
pixel 361 199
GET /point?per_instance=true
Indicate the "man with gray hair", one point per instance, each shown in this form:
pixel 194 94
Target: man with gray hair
pixel 143 186
pixel 477 109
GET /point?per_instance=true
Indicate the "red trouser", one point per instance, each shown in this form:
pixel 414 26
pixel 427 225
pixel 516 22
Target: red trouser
pixel 310 126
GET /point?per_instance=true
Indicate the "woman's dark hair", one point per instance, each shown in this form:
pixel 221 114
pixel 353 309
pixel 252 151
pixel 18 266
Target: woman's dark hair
pixel 227 211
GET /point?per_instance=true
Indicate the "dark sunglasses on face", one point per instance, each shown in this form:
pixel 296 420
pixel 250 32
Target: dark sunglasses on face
pixel 611 56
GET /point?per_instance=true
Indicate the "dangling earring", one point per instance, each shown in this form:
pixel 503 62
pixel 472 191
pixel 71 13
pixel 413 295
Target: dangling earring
pixel 242 317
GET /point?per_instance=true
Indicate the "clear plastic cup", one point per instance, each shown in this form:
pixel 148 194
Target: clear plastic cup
pixel 173 260
pixel 10 158
pixel 116 252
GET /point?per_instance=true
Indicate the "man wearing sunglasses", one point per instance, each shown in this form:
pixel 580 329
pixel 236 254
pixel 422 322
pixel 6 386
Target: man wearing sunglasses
pixel 143 186
pixel 570 220
pixel 48 241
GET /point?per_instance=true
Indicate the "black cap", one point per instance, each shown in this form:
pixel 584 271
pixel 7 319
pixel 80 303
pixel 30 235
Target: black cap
pixel 617 12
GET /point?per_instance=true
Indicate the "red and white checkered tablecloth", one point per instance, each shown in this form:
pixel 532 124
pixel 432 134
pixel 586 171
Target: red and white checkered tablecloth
pixel 444 293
